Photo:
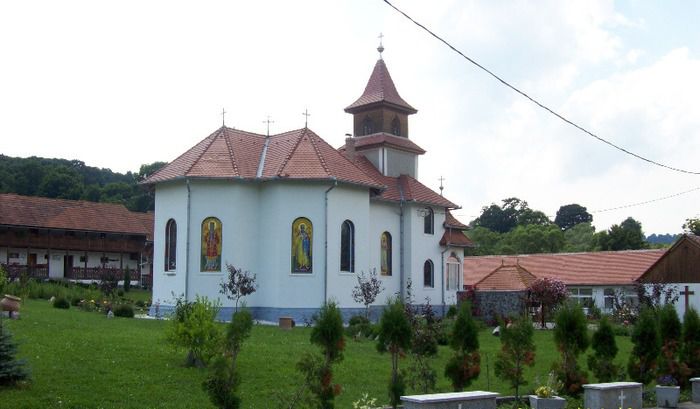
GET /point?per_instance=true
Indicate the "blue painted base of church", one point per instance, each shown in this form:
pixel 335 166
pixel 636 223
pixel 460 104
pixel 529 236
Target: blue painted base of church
pixel 301 316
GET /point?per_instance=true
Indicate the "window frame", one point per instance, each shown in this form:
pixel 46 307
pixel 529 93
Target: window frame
pixel 429 221
pixel 170 254
pixel 389 256
pixel 347 241
pixel 429 264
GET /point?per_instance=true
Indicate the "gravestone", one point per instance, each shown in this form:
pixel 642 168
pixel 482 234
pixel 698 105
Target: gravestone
pixel 451 400
pixel 696 389
pixel 627 395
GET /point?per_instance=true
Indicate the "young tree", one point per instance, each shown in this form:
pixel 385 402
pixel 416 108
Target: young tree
pixel 670 328
pixel 367 290
pixel 223 380
pixel 193 327
pixel 12 370
pixel 395 337
pixel 571 338
pixel 645 338
pixel 690 350
pixel 601 362
pixel 328 335
pixel 517 352
pixel 421 375
pixel 549 293
pixel 239 284
pixel 464 365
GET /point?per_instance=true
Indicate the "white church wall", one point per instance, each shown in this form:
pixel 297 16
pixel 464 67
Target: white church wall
pixel 400 163
pixel 385 217
pixel 170 203
pixel 693 297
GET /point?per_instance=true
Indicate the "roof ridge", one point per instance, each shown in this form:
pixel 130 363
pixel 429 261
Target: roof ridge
pixel 233 156
pixel 290 154
pixel 162 168
pixel 194 162
pixel 318 152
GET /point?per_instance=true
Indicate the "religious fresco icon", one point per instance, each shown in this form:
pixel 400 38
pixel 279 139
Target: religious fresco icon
pixel 302 241
pixel 211 245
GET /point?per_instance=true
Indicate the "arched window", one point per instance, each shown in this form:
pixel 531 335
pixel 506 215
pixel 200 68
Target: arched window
pixel 428 221
pixel 396 126
pixel 347 247
pixel 170 245
pixel 385 253
pixel 302 246
pixel 428 274
pixel 367 126
pixel 453 269
pixel 211 245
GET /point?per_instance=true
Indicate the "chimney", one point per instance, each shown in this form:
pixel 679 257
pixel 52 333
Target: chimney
pixel 350 147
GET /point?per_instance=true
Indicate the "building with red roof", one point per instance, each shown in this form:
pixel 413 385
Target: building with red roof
pixel 72 239
pixel 305 217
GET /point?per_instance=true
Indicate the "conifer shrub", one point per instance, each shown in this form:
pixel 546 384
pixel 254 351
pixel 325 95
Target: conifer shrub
pixel 124 310
pixel 571 338
pixel 12 370
pixel 669 364
pixel 642 363
pixel 464 365
pixel 62 303
pixel 690 350
pixel 127 280
pixel 517 352
pixel 420 375
pixel 394 337
pixel 602 361
pixel 327 334
pixel 360 327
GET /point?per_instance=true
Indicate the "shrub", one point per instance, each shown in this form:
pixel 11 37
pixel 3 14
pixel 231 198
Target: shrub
pixel 193 327
pixel 239 283
pixel 670 328
pixel 140 304
pixel 359 326
pixel 120 293
pixel 127 280
pixel 645 338
pixel 517 352
pixel 421 375
pixel 12 370
pixel 367 289
pixel 124 310
pixel 394 337
pixel 571 338
pixel 690 350
pixel 605 349
pixel 451 312
pixel 75 301
pixel 327 333
pixel 464 366
pixel 62 303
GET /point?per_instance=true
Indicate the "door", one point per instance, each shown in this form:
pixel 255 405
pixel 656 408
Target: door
pixel 67 266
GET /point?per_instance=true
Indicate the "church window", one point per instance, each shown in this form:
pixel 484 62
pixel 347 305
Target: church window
pixel 385 253
pixel 396 127
pixel 347 247
pixel 211 245
pixel 453 265
pixel 367 126
pixel 428 274
pixel 428 221
pixel 302 246
pixel 170 245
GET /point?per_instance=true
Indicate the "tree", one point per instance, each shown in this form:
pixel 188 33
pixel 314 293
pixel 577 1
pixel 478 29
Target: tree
pixel 627 235
pixel 601 362
pixel 517 352
pixel 223 380
pixel 533 217
pixel 424 325
pixel 193 327
pixel 12 370
pixel 690 350
pixel 148 169
pixel 692 225
pixel 534 238
pixel 670 328
pixel 395 337
pixel 645 338
pixel 549 293
pixel 328 335
pixel 571 338
pixel 570 215
pixel 367 290
pixel 464 365
pixel 239 284
pixel 501 219
pixel 488 241
pixel 580 238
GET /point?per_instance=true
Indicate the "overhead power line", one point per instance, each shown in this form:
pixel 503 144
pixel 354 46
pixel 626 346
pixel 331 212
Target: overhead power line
pixel 536 102
pixel 646 201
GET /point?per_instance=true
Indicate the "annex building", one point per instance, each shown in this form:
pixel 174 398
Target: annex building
pixel 305 217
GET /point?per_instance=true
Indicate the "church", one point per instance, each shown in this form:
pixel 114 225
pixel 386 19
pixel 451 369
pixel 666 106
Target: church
pixel 307 218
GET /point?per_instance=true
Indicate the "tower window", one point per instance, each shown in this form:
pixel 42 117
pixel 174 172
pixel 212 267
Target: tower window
pixel 396 127
pixel 367 126
pixel 428 274
pixel 429 221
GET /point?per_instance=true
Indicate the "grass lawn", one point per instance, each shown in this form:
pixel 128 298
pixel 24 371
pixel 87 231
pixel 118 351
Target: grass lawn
pixel 84 360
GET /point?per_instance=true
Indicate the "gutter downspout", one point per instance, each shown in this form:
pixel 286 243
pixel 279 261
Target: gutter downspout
pixel 187 246
pixel 402 203
pixel 442 276
pixel 325 240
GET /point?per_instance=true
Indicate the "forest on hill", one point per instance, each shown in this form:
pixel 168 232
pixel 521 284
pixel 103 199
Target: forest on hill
pixel 73 179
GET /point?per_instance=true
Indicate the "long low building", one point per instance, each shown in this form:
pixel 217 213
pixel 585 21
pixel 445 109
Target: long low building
pixel 73 239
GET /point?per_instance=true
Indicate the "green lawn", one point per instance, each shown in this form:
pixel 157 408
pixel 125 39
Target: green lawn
pixel 84 360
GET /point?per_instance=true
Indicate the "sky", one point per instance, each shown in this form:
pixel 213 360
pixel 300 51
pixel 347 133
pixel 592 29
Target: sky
pixel 120 84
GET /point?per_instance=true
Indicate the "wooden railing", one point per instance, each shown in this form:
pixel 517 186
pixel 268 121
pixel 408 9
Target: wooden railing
pixel 14 271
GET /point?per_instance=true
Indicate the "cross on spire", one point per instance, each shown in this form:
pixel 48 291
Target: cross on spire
pixel 441 179
pixel 381 47
pixel 268 122
pixel 306 119
pixel 223 117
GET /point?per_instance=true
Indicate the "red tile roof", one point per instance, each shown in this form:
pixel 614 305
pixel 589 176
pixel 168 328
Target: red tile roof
pixel 451 221
pixel 506 277
pixel 385 139
pixel 380 89
pixel 456 238
pixel 230 153
pixel 41 212
pixel 595 268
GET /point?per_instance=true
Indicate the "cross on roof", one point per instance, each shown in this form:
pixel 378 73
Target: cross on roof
pixel 307 115
pixel 268 122
pixel 441 179
pixel 223 117
pixel 381 47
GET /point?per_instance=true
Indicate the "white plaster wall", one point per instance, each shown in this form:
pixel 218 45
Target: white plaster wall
pixel 693 300
pixel 383 217
pixel 376 156
pixel 348 203
pixel 170 202
pixel 400 163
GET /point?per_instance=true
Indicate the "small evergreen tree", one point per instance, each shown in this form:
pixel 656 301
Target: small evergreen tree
pixel 670 328
pixel 12 370
pixel 571 338
pixel 464 366
pixel 602 361
pixel 645 338
pixel 690 350
pixel 421 376
pixel 328 334
pixel 127 280
pixel 517 352
pixel 395 337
